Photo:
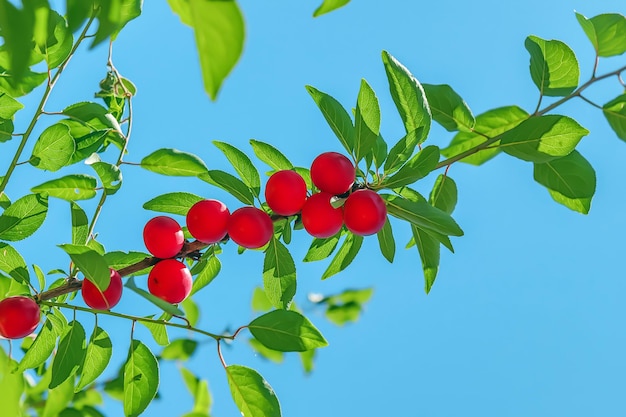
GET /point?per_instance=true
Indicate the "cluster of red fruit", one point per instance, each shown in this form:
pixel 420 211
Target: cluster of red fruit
pixel 209 221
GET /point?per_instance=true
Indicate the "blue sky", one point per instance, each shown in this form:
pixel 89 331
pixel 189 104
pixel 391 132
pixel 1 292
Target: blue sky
pixel 524 319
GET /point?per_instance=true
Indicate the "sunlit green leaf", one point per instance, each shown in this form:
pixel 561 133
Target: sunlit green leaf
pixel 488 125
pixel 118 260
pixel 113 16
pixel 409 97
pixel 366 121
pixel 279 274
pixel 270 155
pixel 243 165
pixel 286 331
pixel 328 6
pixel 336 115
pixel 99 351
pixel 22 218
pixel 429 251
pixel 71 187
pixel 414 169
pixel 90 263
pixel 344 256
pixel 422 214
pixel 179 350
pixel 162 304
pixel 386 241
pixel 174 162
pixel 174 203
pixel 59 399
pixel 54 148
pixel 141 379
pixel 8 106
pixel 42 347
pixel 553 66
pixel 110 176
pixel 12 386
pixel 543 138
pixel 607 33
pixel 444 194
pixel 252 394
pixel 158 331
pixel 70 354
pixel 59 41
pixel 615 113
pixel 13 264
pixel 229 183
pixel 448 108
pixel 208 270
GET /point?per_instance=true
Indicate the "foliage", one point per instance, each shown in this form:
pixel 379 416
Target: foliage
pixel 68 365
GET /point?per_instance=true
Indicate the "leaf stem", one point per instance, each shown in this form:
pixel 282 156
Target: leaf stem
pixel 134 319
pixel 44 99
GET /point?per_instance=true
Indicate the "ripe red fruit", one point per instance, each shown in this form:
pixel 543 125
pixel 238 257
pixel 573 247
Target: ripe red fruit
pixel 163 237
pixel 170 280
pixel 19 317
pixel 103 300
pixel 285 192
pixel 207 220
pixel 250 227
pixel 364 212
pixel 319 217
pixel 333 173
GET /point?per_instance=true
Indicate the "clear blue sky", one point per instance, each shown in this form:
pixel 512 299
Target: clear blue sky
pixel 525 319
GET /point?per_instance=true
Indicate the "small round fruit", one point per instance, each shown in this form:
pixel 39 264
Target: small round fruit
pixel 333 173
pixel 103 300
pixel 364 212
pixel 285 192
pixel 320 218
pixel 207 220
pixel 19 317
pixel 250 227
pixel 163 237
pixel 170 280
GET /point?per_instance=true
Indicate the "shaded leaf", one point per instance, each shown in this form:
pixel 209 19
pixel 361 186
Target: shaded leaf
pixel 366 121
pixel 80 225
pixel 98 355
pixel 70 355
pixel 227 182
pixel 386 241
pixel 345 255
pixel 444 194
pixel 615 113
pixel 90 263
pixel 163 305
pixel 279 274
pixel 336 115
pixel 414 169
pixel 429 251
pixel 422 214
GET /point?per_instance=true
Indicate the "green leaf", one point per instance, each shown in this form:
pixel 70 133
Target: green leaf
pixel 141 379
pixel 581 205
pixel 260 302
pixel 77 12
pixel 54 148
pixel 448 108
pixel 9 106
pixel 40 276
pixel 163 305
pixel 571 176
pixel 17 27
pixel 488 125
pixel 70 354
pixel 243 165
pixel 12 386
pixel 6 130
pixel 615 113
pixel 345 255
pixel 422 214
pixel 219 31
pixel 286 331
pixel 607 33
pixel 192 311
pixel 230 184
pixel 90 263
pixel 279 274
pixel 409 97
pixel 59 399
pixel 174 163
pixel 80 225
pixel 99 352
pixel 199 389
pixel 179 350
pixel 110 175
pixel 252 394
pixel 386 241
pixel 415 169
pixel 359 296
pixel 22 218
pixel 321 248
pixel 328 6
pixel 89 114
pixel 174 203
pixel 209 269
pixel 336 115
pixel 306 358
pixel 270 155
pixel 158 331
pixel 429 251
pixel 13 264
pixel 402 150
pixel 343 314
pixel 118 260
pixel 113 16
pixel 70 187
pixel 444 194
pixel 553 66
pixel 543 138
pixel 366 121
pixel 59 42
pixel 42 347
pixel 27 83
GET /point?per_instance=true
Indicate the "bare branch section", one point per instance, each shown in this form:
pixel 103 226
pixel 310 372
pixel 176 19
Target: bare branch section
pixel 190 249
